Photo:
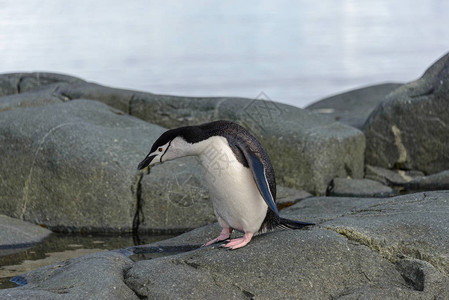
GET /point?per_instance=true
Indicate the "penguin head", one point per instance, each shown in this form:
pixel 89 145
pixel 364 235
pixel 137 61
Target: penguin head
pixel 170 145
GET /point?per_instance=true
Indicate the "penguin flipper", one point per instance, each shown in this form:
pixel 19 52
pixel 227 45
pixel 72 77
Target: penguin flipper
pixel 260 178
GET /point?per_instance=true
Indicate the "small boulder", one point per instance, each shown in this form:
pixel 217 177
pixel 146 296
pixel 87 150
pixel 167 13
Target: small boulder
pixel 438 181
pixel 347 187
pixel 391 177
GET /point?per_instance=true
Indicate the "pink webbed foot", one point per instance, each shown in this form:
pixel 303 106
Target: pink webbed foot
pixel 224 235
pixel 239 242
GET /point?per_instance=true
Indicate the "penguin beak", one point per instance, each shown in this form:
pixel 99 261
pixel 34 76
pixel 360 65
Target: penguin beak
pixel 146 162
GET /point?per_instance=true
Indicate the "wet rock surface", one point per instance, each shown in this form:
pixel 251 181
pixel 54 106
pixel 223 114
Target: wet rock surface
pixel 16 234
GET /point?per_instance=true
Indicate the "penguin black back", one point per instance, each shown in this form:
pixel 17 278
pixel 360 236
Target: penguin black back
pixel 237 137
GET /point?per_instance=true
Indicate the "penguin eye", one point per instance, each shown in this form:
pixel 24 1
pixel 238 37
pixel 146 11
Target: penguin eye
pixel 159 149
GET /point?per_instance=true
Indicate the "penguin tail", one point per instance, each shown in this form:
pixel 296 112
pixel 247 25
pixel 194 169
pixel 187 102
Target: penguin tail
pixel 292 224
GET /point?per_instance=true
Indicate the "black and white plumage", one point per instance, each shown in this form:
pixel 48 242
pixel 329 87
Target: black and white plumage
pixel 242 189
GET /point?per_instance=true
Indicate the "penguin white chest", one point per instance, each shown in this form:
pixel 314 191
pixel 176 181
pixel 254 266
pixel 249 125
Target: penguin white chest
pixel 236 199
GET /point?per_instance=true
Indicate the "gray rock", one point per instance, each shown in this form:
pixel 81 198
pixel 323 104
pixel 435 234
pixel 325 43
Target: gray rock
pixel 307 150
pixel 410 231
pixel 379 252
pixel 354 107
pixel 289 264
pixel 410 129
pixel 391 177
pixel 16 234
pixel 16 83
pixel 367 247
pixel 94 276
pixel 73 167
pixel 438 181
pixel 413 226
pixel 346 187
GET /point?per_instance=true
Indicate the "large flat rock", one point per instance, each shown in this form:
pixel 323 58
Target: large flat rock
pixel 409 130
pixel 282 265
pixel 307 149
pixel 394 248
pixel 361 248
pixel 73 167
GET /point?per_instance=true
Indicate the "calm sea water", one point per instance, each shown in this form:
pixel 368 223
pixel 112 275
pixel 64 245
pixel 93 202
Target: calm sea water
pixel 294 51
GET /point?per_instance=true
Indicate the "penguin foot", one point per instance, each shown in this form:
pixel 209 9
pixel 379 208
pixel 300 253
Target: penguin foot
pixel 239 242
pixel 224 235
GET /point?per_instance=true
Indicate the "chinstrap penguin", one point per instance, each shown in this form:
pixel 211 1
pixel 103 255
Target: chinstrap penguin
pixel 240 176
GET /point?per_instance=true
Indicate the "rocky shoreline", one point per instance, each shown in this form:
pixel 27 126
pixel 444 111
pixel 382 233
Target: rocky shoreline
pixel 370 167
